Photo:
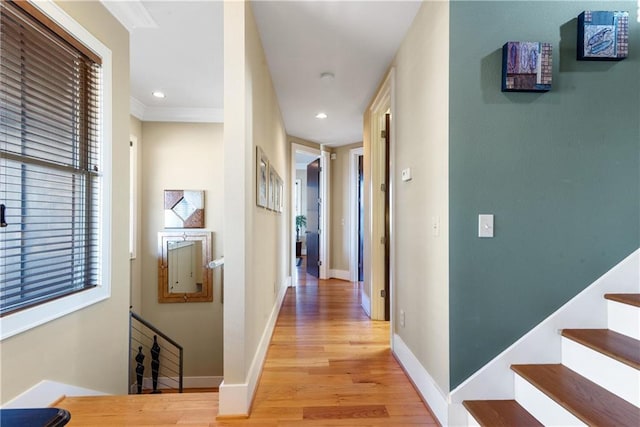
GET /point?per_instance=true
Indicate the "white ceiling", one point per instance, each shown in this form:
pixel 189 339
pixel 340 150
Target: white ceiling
pixel 177 47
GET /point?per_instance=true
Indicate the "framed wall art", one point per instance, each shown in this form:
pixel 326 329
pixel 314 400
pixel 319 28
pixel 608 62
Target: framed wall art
pixel 603 35
pixel 526 67
pixel 183 209
pixel 262 178
pixel 272 190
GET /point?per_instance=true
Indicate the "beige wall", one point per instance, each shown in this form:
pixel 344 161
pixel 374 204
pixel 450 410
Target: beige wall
pixel 135 130
pixel 182 156
pixel 340 215
pixel 256 243
pixel 88 348
pixel 421 143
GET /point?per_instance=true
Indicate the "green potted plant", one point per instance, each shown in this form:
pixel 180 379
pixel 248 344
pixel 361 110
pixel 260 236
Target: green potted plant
pixel 301 221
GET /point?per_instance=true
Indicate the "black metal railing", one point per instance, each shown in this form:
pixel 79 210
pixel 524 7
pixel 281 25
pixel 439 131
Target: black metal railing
pixel 155 360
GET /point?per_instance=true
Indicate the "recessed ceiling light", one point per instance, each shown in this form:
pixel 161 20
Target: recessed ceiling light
pixel 158 94
pixel 321 116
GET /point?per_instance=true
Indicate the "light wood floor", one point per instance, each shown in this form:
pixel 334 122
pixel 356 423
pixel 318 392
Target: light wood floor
pixel 327 365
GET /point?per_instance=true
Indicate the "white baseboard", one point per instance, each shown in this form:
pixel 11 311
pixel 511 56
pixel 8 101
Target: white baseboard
pixel 235 399
pixel 365 302
pixel 47 392
pixel 542 344
pixel 340 274
pixel 187 382
pixel 426 385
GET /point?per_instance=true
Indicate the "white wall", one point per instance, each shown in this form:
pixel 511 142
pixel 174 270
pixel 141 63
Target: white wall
pixel 88 348
pixel 256 245
pixel 422 144
pixel 183 156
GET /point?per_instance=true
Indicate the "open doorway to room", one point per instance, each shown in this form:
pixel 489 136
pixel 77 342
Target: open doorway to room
pixel 308 210
pixel 356 197
pixel 378 288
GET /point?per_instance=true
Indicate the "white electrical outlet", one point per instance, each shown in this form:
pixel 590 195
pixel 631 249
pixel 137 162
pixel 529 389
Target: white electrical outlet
pixel 402 318
pixel 406 174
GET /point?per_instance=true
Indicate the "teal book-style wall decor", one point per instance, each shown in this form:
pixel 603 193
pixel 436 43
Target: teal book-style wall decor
pixel 526 67
pixel 603 35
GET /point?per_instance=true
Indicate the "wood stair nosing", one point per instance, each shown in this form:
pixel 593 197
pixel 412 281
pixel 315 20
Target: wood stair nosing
pixel 629 299
pixel 500 413
pixel 610 343
pixel 585 399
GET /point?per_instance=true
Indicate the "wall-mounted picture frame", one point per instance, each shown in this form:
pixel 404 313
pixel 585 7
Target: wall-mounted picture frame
pixel 262 178
pixel 278 194
pixel 280 205
pixel 271 203
pixel 183 209
pixel 526 67
pixel 603 35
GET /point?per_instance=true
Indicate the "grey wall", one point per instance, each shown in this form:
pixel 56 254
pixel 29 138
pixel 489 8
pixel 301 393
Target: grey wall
pixel 559 170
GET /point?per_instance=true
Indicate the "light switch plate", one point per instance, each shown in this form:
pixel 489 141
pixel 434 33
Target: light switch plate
pixel 406 174
pixel 485 225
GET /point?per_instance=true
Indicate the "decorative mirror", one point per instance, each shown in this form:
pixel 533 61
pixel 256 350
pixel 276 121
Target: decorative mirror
pixel 183 275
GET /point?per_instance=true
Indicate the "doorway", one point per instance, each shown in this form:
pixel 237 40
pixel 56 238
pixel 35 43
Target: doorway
pixel 313 218
pixel 378 287
pixel 301 157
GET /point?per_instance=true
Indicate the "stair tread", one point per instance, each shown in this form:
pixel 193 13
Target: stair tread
pixel 585 399
pixel 631 299
pixel 500 413
pixel 613 344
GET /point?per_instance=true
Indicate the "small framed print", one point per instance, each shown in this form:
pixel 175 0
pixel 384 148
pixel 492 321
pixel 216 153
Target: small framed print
pixel 603 35
pixel 262 178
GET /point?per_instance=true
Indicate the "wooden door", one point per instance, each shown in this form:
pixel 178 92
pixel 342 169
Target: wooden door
pixel 313 218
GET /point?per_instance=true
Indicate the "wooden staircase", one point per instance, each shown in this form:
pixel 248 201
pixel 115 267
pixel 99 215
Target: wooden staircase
pixel 597 383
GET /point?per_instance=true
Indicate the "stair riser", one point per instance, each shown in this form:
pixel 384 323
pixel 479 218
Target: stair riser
pixel 620 379
pixel 542 407
pixel 624 318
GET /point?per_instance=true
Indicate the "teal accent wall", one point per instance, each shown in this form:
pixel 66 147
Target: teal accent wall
pixel 559 170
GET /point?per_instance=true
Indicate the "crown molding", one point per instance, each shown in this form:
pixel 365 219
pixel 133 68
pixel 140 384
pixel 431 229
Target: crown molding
pixel 131 13
pixel 136 108
pixel 195 115
pixel 172 114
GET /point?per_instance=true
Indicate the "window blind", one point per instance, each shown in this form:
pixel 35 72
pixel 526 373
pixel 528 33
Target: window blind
pixel 49 161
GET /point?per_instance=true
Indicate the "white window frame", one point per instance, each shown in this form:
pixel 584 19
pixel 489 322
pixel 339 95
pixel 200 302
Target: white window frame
pixel 23 320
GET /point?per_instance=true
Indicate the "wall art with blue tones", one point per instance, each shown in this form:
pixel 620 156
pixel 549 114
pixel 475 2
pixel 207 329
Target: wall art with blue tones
pixel 603 36
pixel 526 67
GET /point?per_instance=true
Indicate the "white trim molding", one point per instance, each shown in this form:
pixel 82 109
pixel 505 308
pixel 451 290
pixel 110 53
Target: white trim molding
pixel 165 383
pixel 542 344
pixel 131 13
pixel 424 383
pixel 46 393
pixel 182 115
pixel 236 399
pixel 340 274
pixel 325 203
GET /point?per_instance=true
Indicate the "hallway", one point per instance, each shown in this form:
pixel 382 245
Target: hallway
pixel 327 365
